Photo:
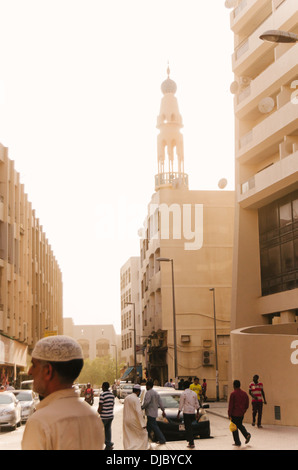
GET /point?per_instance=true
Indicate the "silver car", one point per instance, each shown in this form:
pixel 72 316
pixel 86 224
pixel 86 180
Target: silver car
pixel 125 389
pixel 10 410
pixel 28 400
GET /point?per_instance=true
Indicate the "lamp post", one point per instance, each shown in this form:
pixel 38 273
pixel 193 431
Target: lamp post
pixel 215 343
pixel 134 336
pixel 116 351
pixel 275 35
pixel 174 314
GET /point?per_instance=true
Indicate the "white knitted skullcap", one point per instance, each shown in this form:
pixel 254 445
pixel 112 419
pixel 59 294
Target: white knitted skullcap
pixel 58 348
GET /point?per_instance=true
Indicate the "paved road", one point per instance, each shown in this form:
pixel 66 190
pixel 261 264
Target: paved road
pixel 268 438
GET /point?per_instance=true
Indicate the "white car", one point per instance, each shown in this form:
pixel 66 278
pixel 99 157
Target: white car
pixel 28 400
pixel 10 410
pixel 124 390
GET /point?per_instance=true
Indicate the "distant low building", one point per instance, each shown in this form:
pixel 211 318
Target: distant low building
pixel 95 340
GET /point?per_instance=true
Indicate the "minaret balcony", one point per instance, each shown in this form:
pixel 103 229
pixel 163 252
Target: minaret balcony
pixel 173 179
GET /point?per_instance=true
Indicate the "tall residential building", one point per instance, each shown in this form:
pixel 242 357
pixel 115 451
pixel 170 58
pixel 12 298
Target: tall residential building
pixel 30 277
pixel 130 316
pixel 193 231
pixel 264 339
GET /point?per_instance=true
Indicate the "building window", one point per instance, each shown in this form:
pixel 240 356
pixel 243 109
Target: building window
pixel 278 230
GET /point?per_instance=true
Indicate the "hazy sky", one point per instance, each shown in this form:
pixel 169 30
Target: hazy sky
pixel 79 98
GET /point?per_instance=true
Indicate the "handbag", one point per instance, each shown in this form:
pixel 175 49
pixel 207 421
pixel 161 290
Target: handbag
pixel 232 427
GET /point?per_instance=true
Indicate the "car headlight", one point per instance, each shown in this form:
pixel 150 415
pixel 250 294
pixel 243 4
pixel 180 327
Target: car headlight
pixel 203 415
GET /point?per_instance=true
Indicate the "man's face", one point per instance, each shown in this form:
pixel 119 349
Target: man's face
pixel 37 370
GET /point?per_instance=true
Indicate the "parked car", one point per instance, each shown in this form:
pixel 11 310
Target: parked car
pixel 28 400
pixel 27 384
pixel 10 410
pixel 124 390
pixel 173 428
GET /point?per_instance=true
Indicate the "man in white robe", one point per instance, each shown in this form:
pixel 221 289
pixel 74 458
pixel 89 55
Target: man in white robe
pixel 135 436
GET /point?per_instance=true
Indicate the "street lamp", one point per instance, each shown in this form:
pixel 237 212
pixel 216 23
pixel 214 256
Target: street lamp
pixel 275 35
pixel 215 343
pixel 174 314
pixel 134 335
pixel 116 351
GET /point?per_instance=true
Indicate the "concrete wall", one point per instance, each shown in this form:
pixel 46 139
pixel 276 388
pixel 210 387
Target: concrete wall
pixel 270 351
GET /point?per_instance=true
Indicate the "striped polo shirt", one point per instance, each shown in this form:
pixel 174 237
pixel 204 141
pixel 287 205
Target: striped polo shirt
pixel 256 390
pixel 107 401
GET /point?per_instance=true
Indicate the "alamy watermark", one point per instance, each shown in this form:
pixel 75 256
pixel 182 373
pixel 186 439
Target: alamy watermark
pixel 123 221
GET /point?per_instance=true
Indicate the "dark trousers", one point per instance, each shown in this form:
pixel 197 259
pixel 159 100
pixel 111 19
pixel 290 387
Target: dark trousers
pixel 188 419
pixel 257 408
pixel 153 426
pixel 108 431
pixel 238 421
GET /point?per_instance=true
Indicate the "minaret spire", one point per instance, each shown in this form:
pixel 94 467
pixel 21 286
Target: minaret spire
pixel 170 151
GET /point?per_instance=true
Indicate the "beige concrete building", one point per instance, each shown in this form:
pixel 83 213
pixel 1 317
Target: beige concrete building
pixel 130 316
pixel 95 340
pixel 265 273
pixel 194 229
pixel 30 277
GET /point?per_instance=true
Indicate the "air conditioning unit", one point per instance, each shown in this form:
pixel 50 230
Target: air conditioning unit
pixel 185 338
pixel 208 358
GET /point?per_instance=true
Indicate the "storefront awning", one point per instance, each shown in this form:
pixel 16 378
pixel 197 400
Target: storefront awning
pixel 12 352
pixel 129 370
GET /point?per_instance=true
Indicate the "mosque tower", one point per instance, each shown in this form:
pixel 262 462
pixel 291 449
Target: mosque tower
pixel 170 151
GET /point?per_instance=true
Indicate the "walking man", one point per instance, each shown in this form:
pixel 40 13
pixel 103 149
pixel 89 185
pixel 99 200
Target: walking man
pixel 204 390
pixel 257 393
pixel 152 402
pixel 106 411
pixel 189 403
pixel 238 405
pixel 196 387
pixel 135 435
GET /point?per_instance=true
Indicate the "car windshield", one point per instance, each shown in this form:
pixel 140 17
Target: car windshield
pixel 170 401
pixel 5 399
pixel 127 386
pixel 23 396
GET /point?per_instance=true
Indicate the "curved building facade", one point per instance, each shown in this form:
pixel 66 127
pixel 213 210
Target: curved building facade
pixel 264 337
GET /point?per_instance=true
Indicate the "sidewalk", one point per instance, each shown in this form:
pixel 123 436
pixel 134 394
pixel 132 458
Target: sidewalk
pixel 218 408
pixel 269 437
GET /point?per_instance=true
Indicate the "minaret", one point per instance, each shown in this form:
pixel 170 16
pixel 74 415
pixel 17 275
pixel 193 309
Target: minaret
pixel 170 152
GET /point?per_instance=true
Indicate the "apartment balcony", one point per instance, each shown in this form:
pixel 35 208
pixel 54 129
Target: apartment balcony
pixel 268 84
pixel 172 179
pixel 154 282
pixel 248 12
pixel 253 55
pixel 272 182
pixel 264 139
